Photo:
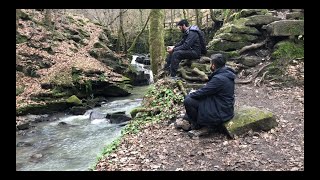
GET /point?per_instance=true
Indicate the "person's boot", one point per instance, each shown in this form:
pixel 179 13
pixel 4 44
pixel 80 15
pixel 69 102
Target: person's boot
pixel 200 132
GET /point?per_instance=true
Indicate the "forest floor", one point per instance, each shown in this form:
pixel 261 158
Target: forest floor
pixel 162 147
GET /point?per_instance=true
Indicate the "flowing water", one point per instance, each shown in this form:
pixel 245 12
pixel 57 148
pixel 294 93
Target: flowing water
pixel 74 146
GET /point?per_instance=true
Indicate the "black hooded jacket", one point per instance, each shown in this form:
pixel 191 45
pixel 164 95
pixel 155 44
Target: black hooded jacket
pixel 216 98
pixel 190 40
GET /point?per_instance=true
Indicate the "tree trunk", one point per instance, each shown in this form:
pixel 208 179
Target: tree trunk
pixel 198 18
pixel 122 31
pixel 141 18
pixel 213 17
pixel 132 47
pixel 184 14
pixel 156 39
pixel 18 12
pixel 48 17
pixel 171 17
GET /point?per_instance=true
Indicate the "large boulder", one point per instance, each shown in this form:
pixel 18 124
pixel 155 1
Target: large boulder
pixel 259 20
pixel 238 26
pixel 251 12
pixel 286 28
pixel 224 45
pixel 118 117
pixel 250 61
pixel 237 37
pixel 295 15
pixel 250 118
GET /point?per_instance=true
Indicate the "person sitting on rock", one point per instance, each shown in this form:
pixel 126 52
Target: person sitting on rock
pixel 188 48
pixel 212 104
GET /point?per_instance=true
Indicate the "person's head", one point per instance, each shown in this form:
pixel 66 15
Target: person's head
pixel 217 61
pixel 183 25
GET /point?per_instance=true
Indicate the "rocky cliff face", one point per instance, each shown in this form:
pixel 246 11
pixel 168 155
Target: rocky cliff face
pixel 69 57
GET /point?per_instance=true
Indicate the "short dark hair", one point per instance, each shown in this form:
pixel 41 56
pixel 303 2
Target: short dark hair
pixel 183 22
pixel 218 60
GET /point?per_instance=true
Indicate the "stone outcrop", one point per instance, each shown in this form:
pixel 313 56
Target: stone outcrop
pixel 250 118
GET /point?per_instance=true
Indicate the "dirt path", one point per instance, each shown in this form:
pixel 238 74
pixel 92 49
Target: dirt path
pixel 162 147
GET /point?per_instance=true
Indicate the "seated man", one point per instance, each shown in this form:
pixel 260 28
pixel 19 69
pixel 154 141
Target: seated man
pixel 212 104
pixel 188 48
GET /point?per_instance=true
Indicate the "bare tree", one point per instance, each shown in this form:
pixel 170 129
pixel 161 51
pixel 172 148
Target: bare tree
pixel 184 14
pixel 156 39
pixel 198 17
pixel 132 47
pixel 48 17
pixel 122 31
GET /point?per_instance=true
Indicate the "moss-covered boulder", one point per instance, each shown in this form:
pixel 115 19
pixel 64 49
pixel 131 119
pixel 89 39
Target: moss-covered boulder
pixel 288 50
pixel 238 26
pixel 250 12
pixel 258 20
pixel 250 61
pixel 237 37
pixel 21 38
pixel 47 108
pixel 250 118
pixel 295 15
pixel 74 100
pixel 224 45
pixel 202 67
pixel 286 28
pixel 227 54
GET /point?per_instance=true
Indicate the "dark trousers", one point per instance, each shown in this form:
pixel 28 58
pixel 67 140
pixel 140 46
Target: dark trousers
pixel 174 59
pixel 191 105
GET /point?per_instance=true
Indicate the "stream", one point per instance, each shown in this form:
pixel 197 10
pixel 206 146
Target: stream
pixel 73 147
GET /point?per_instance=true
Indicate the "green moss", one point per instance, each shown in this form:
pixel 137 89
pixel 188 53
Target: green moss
pixel 74 100
pixel 134 111
pixel 21 38
pixel 19 90
pixel 264 11
pixel 288 50
pixel 202 67
pixel 250 118
pixel 99 45
pixel 84 33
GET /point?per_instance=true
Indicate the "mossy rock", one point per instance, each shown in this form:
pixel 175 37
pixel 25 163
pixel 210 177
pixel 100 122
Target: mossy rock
pixel 99 45
pixel 202 67
pixel 19 90
pixel 258 20
pixel 237 37
pixel 288 50
pixel 223 45
pixel 227 54
pixel 21 38
pixel 250 118
pixel 295 15
pixel 250 12
pixel 238 27
pixel 48 108
pixel 74 100
pixel 84 33
pixel 286 28
pixel 136 110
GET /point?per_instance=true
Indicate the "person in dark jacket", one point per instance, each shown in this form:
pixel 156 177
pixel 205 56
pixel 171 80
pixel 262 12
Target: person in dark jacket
pixel 212 104
pixel 187 48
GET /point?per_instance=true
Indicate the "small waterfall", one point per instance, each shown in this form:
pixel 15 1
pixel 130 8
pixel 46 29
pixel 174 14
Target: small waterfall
pixel 142 66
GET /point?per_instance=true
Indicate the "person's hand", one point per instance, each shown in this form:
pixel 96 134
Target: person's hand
pixel 192 91
pixel 170 49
